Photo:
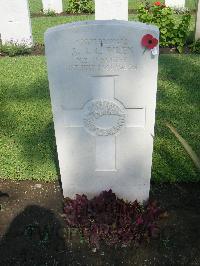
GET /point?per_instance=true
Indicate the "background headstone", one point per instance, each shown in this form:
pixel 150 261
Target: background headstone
pixel 52 5
pixel 175 3
pixel 111 9
pixel 103 92
pixel 197 31
pixel 15 25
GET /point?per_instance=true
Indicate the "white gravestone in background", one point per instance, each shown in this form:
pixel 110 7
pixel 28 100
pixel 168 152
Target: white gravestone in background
pixel 103 92
pixel 52 5
pixel 15 25
pixel 111 9
pixel 175 3
pixel 197 30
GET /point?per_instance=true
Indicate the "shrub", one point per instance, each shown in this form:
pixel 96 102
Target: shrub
pixel 112 220
pixel 49 13
pixel 80 6
pixel 171 33
pixel 195 47
pixel 14 48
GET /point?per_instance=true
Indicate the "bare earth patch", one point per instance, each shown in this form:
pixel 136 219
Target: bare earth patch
pixel 33 232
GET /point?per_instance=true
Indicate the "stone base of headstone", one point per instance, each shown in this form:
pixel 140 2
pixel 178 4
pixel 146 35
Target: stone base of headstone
pixel 52 6
pixel 15 25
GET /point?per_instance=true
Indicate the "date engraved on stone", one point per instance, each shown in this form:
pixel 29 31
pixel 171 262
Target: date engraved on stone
pixel 91 55
pixel 103 117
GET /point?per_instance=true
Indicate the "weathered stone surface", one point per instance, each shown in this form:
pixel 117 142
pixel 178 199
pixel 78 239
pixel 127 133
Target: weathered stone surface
pixel 111 9
pixel 15 25
pixel 103 91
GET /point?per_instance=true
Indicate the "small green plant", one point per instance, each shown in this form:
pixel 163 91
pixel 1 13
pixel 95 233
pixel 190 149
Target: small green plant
pixel 80 6
pixel 14 48
pixel 180 10
pixel 195 47
pixel 49 13
pixel 171 33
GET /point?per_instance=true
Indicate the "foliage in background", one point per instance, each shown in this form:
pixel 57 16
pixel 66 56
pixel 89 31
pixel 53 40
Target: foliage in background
pixel 41 24
pixel 80 6
pixel 112 220
pixel 50 13
pixel 14 48
pixel 36 5
pixel 195 47
pixel 171 33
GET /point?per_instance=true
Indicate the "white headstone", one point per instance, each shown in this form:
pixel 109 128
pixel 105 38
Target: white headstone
pixel 15 25
pixel 52 5
pixel 175 3
pixel 103 91
pixel 197 31
pixel 111 9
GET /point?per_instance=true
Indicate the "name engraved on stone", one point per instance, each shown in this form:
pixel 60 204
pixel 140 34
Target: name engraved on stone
pixel 104 118
pixel 97 54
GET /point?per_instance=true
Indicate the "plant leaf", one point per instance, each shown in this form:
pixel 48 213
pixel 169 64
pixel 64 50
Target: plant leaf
pixel 186 146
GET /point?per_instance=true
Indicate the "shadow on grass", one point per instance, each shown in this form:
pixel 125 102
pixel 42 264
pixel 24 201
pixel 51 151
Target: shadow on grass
pixel 27 131
pixel 178 102
pixel 26 125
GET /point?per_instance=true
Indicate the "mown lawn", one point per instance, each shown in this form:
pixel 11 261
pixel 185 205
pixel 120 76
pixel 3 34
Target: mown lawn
pixel 36 5
pixel 27 141
pixel 41 24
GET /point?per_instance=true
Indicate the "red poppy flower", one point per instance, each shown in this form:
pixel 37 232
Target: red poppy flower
pixel 157 3
pixel 149 41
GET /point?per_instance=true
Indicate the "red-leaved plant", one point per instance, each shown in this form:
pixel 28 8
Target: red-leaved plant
pixel 112 220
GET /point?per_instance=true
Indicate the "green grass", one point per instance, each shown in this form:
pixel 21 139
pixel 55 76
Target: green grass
pixel 27 140
pixel 36 5
pixel 41 24
pixel 178 101
pixel 192 4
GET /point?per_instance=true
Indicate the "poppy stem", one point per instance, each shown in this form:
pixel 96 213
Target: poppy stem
pixel 144 50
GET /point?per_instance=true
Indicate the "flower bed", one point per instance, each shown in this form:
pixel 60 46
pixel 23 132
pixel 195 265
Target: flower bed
pixel 110 219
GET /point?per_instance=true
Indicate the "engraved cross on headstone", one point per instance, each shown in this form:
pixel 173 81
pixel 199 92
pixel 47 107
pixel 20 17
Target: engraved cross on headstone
pixel 103 116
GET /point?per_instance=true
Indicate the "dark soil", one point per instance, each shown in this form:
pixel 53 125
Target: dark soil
pixel 33 231
pixel 38 49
